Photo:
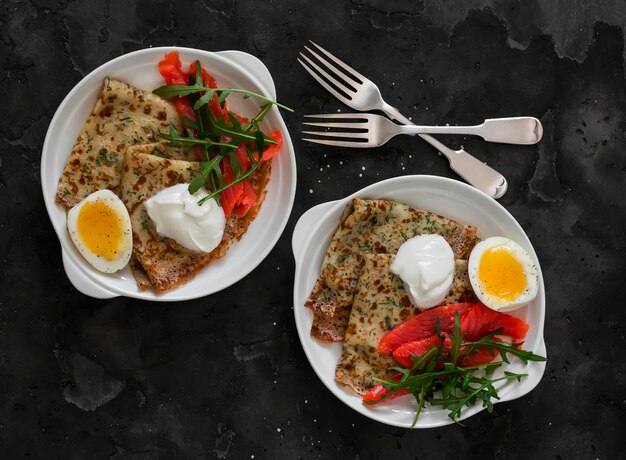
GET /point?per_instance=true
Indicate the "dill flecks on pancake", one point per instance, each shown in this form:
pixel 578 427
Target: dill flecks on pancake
pixel 371 227
pixel 123 116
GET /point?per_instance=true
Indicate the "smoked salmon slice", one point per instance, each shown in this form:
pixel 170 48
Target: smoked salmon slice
pixel 481 356
pixel 378 392
pixel 482 319
pixel 417 348
pixel 231 196
pixel 477 321
pixel 513 327
pixel 422 326
pixel 247 200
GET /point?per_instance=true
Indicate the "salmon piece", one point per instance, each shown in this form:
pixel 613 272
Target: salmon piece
pixel 231 196
pixel 481 356
pixel 513 327
pixel 477 321
pixel 422 326
pixel 378 392
pixel 242 156
pixel 247 200
pixel 170 69
pixel 482 319
pixel 417 348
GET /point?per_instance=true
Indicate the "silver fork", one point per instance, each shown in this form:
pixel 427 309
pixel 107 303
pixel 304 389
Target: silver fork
pixel 360 93
pixel 369 130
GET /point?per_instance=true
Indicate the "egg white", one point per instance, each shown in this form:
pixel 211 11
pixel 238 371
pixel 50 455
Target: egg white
pixel 530 270
pixel 126 239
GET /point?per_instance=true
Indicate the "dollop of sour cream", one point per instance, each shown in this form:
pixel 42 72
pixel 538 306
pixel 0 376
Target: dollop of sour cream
pixel 425 264
pixel 177 215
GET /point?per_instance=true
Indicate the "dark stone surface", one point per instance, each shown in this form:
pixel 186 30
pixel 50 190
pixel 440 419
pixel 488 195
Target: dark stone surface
pixel 225 376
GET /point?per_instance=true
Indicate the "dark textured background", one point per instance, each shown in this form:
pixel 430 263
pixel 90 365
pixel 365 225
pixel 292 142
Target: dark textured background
pixel 225 376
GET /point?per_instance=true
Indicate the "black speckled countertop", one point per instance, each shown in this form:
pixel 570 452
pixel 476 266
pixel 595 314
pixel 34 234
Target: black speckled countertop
pixel 225 376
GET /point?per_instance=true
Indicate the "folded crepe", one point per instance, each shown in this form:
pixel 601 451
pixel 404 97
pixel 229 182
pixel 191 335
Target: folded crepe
pixel 380 304
pixel 122 117
pixel 371 227
pixel 157 259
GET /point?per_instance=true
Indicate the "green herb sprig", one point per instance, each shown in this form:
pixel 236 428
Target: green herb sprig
pixel 452 386
pixel 209 128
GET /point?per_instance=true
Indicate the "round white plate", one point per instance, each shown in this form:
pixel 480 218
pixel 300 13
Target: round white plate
pixel 232 69
pixel 446 197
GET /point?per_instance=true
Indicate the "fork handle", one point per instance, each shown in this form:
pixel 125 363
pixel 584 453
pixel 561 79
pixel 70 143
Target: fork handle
pixel 475 172
pixel 511 130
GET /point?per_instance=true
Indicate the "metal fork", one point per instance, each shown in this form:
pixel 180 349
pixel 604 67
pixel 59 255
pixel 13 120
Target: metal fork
pixel 360 93
pixel 369 130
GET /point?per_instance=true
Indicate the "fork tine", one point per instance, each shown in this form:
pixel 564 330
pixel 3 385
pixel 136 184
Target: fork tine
pixel 333 80
pixel 338 143
pixel 344 116
pixel 341 63
pixel 342 134
pixel 341 74
pixel 337 125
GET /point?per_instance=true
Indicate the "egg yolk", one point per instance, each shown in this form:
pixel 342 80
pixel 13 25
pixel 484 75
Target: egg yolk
pixel 99 229
pixel 501 274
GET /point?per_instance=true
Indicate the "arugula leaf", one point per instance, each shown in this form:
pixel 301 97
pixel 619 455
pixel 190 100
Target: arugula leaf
pixel 175 138
pixel 171 91
pixel 216 192
pixel 208 167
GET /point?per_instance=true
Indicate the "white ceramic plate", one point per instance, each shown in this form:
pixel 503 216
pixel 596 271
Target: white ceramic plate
pixel 449 198
pixel 231 69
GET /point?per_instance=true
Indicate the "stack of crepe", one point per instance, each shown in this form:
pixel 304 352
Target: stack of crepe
pixel 357 299
pixel 118 148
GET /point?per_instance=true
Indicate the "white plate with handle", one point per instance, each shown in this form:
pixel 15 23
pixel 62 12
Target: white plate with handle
pixel 449 198
pixel 233 69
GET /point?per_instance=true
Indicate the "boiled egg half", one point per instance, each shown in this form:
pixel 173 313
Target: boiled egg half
pixel 502 274
pixel 100 228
